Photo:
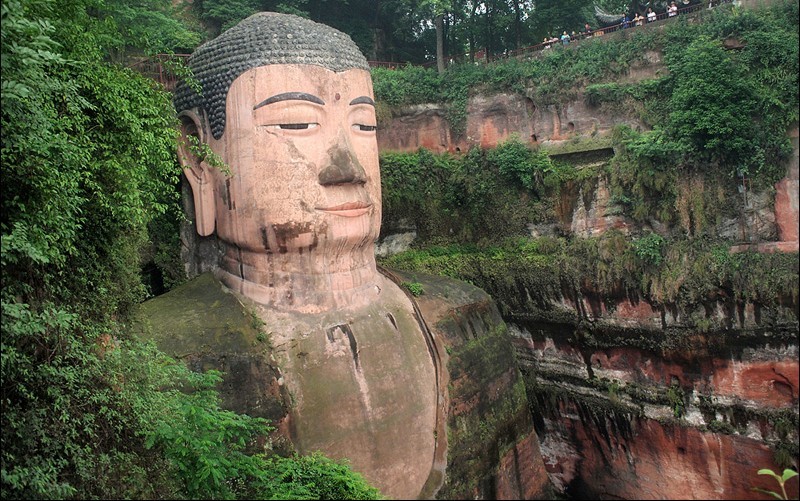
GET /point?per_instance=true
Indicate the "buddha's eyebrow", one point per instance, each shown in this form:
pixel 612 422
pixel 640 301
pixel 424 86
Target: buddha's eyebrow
pixel 290 96
pixel 362 100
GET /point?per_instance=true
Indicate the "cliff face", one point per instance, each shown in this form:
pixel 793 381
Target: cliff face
pixel 768 221
pixel 644 413
pixel 634 400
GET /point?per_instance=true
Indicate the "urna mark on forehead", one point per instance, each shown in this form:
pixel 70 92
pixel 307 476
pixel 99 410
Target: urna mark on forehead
pixel 262 39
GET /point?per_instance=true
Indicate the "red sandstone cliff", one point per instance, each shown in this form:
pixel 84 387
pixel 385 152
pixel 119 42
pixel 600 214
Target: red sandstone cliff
pixel 692 415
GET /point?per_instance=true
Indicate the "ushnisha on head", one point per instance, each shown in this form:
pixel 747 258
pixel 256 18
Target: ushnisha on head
pixel 262 39
pixel 288 106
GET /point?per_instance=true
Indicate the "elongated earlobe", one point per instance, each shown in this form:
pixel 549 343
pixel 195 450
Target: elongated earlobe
pixel 197 172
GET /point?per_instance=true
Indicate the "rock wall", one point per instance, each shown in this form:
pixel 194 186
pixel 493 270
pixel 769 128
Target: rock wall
pixel 629 400
pixel 768 222
pixel 643 414
pixel 494 119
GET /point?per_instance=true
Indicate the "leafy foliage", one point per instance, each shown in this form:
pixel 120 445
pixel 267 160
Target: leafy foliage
pixel 415 288
pixel 649 248
pixel 524 274
pixel 712 104
pixel 781 479
pixel 458 198
pixel 517 161
pixel 149 26
pixel 222 14
pixel 315 477
pixel 88 152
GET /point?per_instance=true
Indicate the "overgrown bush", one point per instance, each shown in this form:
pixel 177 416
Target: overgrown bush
pixel 88 154
pixel 459 198
pixel 525 274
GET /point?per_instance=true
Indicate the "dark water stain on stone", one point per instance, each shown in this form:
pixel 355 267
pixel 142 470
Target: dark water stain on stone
pixel 226 195
pixel 285 233
pixel 265 239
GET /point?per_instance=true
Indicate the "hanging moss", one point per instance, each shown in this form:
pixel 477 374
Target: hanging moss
pixel 529 278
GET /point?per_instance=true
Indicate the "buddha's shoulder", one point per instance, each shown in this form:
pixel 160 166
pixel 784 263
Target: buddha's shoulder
pixel 442 298
pixel 200 312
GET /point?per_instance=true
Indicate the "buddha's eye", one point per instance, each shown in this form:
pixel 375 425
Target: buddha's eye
pixel 365 128
pixel 297 126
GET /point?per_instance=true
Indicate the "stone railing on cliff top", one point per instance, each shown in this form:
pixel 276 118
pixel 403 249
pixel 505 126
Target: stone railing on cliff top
pixel 526 52
pixel 161 67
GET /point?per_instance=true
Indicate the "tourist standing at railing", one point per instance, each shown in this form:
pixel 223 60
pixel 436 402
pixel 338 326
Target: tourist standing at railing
pixel 638 20
pixel 651 15
pixel 565 39
pixel 626 21
pixel 672 10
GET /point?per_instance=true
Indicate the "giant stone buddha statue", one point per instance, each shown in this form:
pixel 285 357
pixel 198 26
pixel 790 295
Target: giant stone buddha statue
pixel 293 213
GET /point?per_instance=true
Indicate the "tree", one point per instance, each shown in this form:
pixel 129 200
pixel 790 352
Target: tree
pixel 713 106
pixel 554 16
pixel 89 411
pixel 438 9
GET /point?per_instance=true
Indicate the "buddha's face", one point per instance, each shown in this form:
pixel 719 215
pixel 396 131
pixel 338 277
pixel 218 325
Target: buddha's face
pixel 300 144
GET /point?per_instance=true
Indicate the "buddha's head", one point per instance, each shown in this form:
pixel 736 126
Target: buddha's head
pixel 287 105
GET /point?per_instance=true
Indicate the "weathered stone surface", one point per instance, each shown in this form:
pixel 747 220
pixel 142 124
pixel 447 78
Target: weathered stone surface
pixel 787 193
pixel 605 415
pixel 417 127
pixel 492 447
pixel 599 216
pixel 393 244
pixel 494 119
pixel 766 223
pixel 650 460
pixel 205 325
pixel 363 387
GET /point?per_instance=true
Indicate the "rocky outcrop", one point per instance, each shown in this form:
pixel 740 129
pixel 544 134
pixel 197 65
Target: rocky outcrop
pixel 787 193
pixel 691 416
pixel 765 222
pixel 633 400
pixel 494 119
pixel 630 397
pixel 493 450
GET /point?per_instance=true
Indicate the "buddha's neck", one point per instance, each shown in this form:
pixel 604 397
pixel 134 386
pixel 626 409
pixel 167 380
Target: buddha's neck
pixel 308 282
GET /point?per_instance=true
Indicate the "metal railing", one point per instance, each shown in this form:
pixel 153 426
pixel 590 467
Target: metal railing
pixel 532 50
pixel 163 67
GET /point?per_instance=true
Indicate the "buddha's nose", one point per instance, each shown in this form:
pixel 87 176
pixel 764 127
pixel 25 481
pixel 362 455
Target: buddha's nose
pixel 343 166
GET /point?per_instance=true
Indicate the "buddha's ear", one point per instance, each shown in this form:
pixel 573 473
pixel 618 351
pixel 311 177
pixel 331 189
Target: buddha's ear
pixel 198 172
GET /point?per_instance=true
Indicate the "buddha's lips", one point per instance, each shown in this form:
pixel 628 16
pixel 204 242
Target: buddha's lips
pixel 348 209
